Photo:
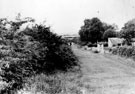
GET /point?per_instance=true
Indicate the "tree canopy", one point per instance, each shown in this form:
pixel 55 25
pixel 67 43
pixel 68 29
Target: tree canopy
pixel 93 30
pixel 109 34
pixel 128 31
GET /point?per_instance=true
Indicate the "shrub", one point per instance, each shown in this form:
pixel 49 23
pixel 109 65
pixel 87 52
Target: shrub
pixel 105 44
pixel 33 51
pixel 89 44
pixel 124 51
pixel 129 52
pixel 95 51
pixel 114 51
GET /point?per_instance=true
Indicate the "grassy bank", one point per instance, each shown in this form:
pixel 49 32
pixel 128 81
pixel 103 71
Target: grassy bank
pixel 59 83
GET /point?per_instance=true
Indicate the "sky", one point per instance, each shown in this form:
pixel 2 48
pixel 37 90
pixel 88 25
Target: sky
pixel 67 16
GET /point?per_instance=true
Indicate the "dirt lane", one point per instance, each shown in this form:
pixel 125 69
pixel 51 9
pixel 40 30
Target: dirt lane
pixel 106 74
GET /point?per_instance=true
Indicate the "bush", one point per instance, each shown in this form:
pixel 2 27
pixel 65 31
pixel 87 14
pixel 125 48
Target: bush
pixel 32 51
pixel 105 44
pixel 90 44
pixel 96 51
pixel 124 51
pixel 114 51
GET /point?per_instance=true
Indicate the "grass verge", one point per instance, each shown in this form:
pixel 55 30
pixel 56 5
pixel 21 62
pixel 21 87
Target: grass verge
pixel 58 83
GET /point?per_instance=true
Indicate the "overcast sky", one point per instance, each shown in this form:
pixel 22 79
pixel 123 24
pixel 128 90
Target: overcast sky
pixel 67 16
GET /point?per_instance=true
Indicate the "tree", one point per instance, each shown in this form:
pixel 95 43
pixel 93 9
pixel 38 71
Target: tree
pixel 108 34
pixel 109 26
pixel 128 31
pixel 92 30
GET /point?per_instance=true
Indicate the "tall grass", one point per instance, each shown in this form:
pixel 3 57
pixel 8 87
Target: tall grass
pixel 59 83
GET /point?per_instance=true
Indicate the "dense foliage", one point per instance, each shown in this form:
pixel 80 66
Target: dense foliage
pixel 31 51
pixel 92 30
pixel 128 31
pixel 124 51
pixel 109 34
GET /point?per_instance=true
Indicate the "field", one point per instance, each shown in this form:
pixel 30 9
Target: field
pixel 106 73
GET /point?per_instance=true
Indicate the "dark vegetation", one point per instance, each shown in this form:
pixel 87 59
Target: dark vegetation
pixel 108 34
pixel 94 30
pixel 31 58
pixel 124 51
pixel 128 33
pixel 29 52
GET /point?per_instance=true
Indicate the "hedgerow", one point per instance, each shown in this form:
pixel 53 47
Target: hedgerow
pixel 30 52
pixel 124 51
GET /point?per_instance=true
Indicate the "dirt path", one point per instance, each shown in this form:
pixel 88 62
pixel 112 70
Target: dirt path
pixel 106 74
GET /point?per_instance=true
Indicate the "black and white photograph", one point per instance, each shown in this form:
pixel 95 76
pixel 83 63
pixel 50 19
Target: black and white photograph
pixel 67 46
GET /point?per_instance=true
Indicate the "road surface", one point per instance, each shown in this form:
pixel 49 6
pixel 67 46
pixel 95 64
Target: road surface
pixel 105 73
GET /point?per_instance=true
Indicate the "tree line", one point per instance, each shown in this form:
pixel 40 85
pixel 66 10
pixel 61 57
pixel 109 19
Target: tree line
pixel 94 30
